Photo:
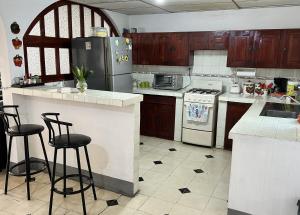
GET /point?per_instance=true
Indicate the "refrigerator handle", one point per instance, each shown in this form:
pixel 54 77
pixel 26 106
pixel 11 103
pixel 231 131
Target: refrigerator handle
pixel 107 82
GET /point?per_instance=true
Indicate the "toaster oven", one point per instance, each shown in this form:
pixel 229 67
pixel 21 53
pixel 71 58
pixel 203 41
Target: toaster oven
pixel 168 82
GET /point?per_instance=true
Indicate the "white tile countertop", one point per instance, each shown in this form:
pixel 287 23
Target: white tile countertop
pixel 90 96
pixel 229 97
pixel 253 124
pixel 151 91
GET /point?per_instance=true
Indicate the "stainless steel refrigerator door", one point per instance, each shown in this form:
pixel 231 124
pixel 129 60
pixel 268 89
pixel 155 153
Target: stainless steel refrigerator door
pixel 90 52
pixel 121 83
pixel 119 56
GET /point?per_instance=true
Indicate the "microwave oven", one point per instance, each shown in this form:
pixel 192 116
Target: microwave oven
pixel 168 82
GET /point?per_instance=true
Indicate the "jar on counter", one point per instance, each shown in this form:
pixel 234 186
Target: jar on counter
pixel 248 88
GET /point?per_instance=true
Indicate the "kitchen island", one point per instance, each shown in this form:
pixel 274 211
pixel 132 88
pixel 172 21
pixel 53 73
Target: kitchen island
pixel 111 119
pixel 265 176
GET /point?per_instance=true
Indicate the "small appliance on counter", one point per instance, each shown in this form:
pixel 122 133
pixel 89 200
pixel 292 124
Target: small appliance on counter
pixel 235 88
pixel 280 85
pixel 168 82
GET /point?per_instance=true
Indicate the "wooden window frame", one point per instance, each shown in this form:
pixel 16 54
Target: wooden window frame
pixel 56 42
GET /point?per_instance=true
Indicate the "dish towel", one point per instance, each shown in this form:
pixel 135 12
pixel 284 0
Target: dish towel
pixel 197 112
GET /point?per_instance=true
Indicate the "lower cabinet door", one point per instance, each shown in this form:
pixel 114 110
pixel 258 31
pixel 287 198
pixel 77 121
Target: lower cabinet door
pixel 235 111
pixel 148 119
pixel 158 116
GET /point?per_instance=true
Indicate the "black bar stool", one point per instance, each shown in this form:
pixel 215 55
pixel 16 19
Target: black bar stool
pixel 68 141
pixel 22 130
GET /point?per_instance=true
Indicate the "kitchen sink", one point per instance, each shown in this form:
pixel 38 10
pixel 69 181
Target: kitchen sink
pixel 280 110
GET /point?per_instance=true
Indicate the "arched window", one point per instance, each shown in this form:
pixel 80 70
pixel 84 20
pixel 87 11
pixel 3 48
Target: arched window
pixel 47 41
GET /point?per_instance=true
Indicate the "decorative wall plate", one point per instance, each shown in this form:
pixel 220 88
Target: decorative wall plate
pixel 18 60
pixel 15 28
pixel 16 43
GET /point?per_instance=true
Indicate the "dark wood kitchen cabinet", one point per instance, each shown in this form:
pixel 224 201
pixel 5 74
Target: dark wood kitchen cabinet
pixel 177 52
pixel 158 116
pixel 267 49
pixel 290 49
pixel 199 41
pixel 214 40
pixel 169 49
pixel 218 40
pixel 135 47
pixel 240 50
pixel 235 111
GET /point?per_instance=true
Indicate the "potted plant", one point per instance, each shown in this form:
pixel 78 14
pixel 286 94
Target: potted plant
pixel 81 74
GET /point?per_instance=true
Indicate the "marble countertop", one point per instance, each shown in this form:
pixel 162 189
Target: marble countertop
pixel 252 124
pixel 151 91
pixel 90 96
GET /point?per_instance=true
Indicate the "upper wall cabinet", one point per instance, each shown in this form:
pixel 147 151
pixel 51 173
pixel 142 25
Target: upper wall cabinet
pixel 264 49
pixel 198 40
pixel 267 49
pixel 290 49
pixel 240 51
pixel 170 49
pixel 249 48
pixel 215 40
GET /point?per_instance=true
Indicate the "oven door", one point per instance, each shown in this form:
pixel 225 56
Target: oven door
pixel 163 81
pixel 203 126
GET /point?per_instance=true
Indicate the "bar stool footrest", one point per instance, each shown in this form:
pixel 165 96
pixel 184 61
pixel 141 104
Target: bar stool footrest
pixel 19 169
pixel 69 191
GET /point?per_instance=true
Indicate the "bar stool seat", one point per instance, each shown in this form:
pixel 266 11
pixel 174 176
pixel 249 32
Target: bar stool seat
pixel 29 166
pixel 75 141
pixel 63 142
pixel 25 129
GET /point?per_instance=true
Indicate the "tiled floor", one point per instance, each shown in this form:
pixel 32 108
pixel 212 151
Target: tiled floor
pixel 176 179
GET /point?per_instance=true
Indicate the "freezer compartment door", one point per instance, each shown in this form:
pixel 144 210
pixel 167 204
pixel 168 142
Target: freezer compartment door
pixel 203 138
pixel 119 56
pixel 121 83
pixel 90 53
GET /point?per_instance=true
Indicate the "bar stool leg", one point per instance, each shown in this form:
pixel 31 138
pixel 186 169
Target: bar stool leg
pixel 45 155
pixel 65 180
pixel 80 180
pixel 27 164
pixel 7 165
pixel 52 181
pixel 90 171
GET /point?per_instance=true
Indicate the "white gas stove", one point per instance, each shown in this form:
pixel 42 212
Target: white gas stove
pixel 200 114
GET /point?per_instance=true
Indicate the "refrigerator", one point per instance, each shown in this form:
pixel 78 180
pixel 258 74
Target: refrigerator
pixel 110 59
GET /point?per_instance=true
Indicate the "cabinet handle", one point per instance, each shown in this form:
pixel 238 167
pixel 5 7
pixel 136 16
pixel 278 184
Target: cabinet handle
pixel 284 49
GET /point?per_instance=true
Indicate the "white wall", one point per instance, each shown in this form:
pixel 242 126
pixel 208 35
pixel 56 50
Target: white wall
pixel 120 20
pixel 4 62
pixel 23 12
pixel 265 18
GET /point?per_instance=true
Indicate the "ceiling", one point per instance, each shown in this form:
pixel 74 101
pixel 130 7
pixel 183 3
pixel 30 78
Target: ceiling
pixel 138 7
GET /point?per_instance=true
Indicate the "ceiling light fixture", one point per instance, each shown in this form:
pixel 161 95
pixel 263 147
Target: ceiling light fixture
pixel 160 2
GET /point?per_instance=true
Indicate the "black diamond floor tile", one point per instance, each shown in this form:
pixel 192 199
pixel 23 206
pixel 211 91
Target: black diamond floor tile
pixel 112 202
pixel 209 156
pixel 141 143
pixel 172 150
pixel 141 179
pixel 157 162
pixel 184 190
pixel 198 171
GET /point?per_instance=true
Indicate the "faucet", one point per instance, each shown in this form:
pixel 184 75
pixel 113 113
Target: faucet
pixel 288 99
